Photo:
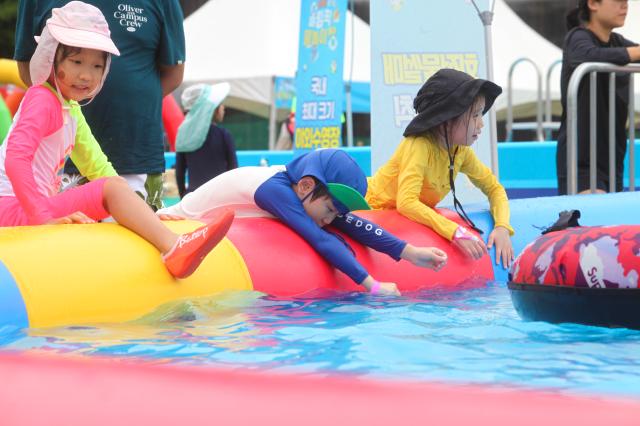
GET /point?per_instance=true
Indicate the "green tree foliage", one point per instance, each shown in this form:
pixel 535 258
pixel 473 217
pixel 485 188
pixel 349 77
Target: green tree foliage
pixel 8 12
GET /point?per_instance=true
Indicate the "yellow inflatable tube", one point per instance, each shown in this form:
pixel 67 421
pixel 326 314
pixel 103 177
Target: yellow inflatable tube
pixel 50 265
pixel 9 73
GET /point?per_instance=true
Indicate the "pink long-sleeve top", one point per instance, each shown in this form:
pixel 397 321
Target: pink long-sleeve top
pixel 44 132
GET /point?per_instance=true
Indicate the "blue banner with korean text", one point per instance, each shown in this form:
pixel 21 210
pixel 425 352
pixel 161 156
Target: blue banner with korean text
pixel 319 84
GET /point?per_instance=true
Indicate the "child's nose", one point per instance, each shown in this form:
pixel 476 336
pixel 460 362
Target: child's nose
pixel 85 74
pixel 328 219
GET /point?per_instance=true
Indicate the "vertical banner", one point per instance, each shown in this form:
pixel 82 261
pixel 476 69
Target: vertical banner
pixel 319 85
pixel 410 41
pixel 285 92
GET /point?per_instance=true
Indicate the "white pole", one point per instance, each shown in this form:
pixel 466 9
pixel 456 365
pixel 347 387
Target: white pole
pixel 348 85
pixel 272 116
pixel 487 18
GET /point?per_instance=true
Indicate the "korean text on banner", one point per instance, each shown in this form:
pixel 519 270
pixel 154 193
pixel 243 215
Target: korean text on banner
pixel 319 84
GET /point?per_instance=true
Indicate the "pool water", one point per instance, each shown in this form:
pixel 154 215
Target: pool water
pixel 468 336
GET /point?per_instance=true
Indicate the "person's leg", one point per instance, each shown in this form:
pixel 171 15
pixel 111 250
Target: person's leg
pixel 230 190
pixel 12 213
pixel 561 167
pixel 130 211
pixel 584 183
pixel 182 254
pixel 137 184
pixel 153 186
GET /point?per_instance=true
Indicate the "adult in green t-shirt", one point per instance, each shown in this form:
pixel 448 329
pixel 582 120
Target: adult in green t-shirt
pixel 126 117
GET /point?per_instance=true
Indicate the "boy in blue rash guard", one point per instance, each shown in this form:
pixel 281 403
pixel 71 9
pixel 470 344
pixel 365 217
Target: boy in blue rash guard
pixel 314 190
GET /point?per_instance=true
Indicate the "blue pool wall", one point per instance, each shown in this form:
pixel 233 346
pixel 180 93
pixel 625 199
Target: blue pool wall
pixel 528 215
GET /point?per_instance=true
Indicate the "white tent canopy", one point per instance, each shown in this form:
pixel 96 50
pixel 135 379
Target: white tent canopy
pixel 249 42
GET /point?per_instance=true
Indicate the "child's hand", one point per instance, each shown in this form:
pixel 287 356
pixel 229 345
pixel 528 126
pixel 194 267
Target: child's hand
pixel 386 289
pixel 380 288
pixel 426 257
pixel 469 244
pixel 77 217
pixel 504 249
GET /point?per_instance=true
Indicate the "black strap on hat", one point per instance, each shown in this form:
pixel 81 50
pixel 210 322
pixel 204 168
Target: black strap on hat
pixel 456 203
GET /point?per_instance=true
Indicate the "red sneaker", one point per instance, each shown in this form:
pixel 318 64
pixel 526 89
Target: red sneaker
pixel 190 250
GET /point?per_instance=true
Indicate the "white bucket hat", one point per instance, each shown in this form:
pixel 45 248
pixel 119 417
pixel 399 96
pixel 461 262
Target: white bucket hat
pixel 75 24
pixel 201 101
pixel 216 94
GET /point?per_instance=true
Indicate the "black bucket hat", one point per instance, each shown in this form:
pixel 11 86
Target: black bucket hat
pixel 447 94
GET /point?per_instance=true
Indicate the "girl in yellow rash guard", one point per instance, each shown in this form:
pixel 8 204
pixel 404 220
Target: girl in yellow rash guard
pixel 436 146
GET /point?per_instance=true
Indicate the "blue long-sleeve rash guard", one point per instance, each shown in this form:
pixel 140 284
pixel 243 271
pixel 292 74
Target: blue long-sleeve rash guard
pixel 277 197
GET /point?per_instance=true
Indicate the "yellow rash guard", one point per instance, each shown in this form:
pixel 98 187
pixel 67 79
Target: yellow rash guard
pixel 416 179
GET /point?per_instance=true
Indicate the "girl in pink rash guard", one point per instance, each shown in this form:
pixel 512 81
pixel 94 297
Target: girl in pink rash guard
pixel 70 64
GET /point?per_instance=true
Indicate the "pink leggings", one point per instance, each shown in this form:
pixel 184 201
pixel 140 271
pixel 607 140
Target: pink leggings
pixel 87 199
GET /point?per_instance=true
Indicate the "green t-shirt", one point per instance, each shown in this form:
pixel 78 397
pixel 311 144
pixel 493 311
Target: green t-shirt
pixel 126 116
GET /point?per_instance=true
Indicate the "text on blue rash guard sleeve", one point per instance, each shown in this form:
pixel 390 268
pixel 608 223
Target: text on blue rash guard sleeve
pixel 369 234
pixel 278 198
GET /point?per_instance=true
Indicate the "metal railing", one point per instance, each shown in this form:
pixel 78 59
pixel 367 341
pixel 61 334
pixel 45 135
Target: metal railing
pixel 541 125
pixel 593 68
pixel 511 126
pixel 549 124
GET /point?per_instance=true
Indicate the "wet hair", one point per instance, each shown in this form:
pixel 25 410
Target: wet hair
pixel 64 51
pixel 579 15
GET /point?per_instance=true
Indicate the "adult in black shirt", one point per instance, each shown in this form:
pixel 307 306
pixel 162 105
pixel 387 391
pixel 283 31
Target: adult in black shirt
pixel 591 39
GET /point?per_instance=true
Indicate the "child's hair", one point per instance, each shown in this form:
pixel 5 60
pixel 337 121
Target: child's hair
pixel 462 119
pixel 579 15
pixel 319 191
pixel 64 51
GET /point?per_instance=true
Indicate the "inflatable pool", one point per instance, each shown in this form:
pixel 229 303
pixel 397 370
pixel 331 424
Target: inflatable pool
pixel 79 274
pixel 96 391
pixel 586 275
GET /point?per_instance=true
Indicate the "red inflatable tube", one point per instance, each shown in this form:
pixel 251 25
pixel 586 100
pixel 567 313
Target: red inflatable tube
pixel 172 117
pixel 41 390
pixel 281 263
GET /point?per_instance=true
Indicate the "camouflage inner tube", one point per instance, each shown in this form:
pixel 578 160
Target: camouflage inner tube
pixel 586 275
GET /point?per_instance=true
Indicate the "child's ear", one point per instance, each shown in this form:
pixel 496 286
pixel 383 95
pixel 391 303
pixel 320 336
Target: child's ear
pixel 305 186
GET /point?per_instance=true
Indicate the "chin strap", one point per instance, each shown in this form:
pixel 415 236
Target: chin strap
pixel 456 203
pixel 60 97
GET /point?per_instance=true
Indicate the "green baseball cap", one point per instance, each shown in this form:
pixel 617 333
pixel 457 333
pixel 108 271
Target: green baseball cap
pixel 348 197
